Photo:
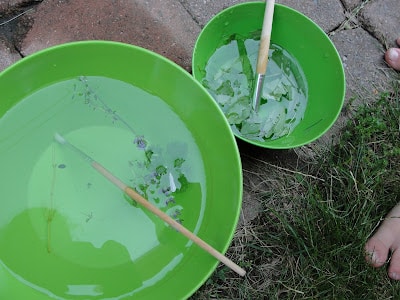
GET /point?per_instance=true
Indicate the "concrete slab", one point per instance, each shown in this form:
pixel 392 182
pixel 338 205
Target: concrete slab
pixel 164 26
pixel 381 18
pixel 7 54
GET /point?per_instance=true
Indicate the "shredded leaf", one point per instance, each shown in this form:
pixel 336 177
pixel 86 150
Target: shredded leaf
pixel 229 78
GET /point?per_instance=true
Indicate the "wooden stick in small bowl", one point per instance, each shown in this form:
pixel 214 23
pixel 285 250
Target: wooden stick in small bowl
pixel 262 60
pixel 152 208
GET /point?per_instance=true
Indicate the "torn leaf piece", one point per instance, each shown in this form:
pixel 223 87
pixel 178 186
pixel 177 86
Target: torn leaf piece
pixel 172 183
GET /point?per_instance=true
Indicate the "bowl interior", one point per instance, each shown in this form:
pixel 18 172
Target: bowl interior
pixel 33 268
pixel 305 41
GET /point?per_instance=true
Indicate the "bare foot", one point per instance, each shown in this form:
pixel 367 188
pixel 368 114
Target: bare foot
pixel 392 57
pixel 386 239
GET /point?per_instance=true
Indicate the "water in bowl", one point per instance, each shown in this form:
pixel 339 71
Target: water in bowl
pixel 229 77
pixel 65 230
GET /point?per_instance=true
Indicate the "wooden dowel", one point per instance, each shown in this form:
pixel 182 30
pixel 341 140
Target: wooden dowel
pixel 166 218
pixel 265 40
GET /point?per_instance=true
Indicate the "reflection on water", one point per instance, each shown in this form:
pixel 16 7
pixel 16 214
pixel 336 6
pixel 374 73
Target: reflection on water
pixel 86 270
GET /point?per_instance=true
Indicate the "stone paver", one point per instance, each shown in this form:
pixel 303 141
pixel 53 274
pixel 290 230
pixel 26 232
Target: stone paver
pixel 328 14
pixel 203 10
pixel 142 23
pixel 382 18
pixel 366 72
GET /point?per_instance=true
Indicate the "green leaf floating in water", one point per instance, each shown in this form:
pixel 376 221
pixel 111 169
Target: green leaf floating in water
pixel 229 78
pixel 239 110
pixel 225 89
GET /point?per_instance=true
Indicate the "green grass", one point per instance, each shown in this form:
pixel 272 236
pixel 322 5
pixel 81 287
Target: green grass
pixel 308 240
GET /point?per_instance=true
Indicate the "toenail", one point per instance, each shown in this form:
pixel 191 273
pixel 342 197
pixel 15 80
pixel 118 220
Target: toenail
pixel 393 54
pixel 394 275
pixel 372 256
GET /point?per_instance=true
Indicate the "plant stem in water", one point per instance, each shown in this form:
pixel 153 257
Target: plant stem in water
pixel 51 211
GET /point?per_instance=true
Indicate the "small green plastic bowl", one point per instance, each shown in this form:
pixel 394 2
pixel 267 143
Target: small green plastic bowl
pixel 77 269
pixel 306 42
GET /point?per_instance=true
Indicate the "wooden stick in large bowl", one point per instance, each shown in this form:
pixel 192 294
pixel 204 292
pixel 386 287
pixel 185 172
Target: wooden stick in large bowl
pixel 152 208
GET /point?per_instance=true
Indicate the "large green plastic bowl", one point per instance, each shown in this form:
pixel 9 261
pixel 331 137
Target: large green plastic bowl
pixel 306 42
pixel 28 271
